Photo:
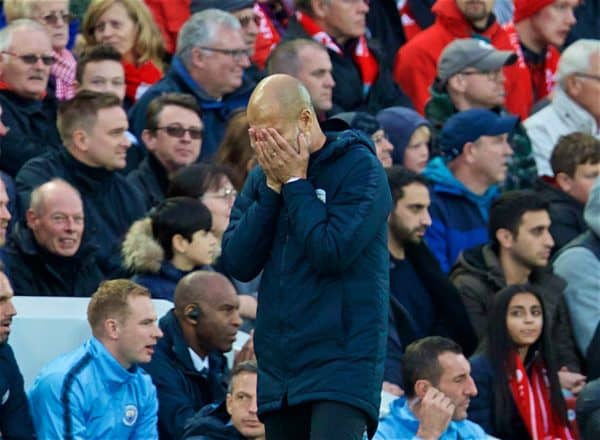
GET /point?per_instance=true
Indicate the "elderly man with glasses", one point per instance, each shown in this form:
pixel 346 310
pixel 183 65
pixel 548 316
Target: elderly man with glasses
pixel 575 105
pixel 209 64
pixel 28 110
pixel 173 136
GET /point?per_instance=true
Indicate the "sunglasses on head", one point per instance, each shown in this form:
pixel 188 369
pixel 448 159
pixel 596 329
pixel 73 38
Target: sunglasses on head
pixel 177 131
pixel 51 19
pixel 32 58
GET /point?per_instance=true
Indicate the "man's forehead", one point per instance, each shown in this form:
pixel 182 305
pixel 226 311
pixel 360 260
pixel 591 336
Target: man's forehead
pixel 453 364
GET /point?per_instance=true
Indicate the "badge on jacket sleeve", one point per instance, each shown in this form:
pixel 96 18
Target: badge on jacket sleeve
pixel 5 397
pixel 130 416
pixel 321 195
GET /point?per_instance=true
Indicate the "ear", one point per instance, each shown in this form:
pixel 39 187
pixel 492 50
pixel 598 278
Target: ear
pixel 505 238
pixel 111 329
pixel 179 243
pixel 320 8
pixel 470 152
pixel 31 219
pixel 306 120
pixel 421 387
pixel 564 181
pixel 457 84
pixel 149 139
pixel 76 85
pixel 573 85
pixel 228 402
pixel 197 57
pixel 80 139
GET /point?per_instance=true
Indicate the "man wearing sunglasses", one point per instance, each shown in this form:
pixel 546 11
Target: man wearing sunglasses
pixel 26 59
pixel 173 137
pixel 209 64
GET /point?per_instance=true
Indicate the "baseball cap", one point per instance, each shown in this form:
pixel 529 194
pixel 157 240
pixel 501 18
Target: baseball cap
pixel 471 52
pixel 224 5
pixel 470 125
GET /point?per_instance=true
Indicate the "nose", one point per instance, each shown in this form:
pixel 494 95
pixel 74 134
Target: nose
pixel 11 310
pixel 244 61
pixel 549 239
pixel 157 332
pixel 571 19
pixel 253 409
pixel 125 142
pixel 3 129
pixel 329 81
pixel 236 319
pixel 426 219
pixel 508 149
pixel 5 213
pixel 471 389
pixel 387 145
pixel 363 6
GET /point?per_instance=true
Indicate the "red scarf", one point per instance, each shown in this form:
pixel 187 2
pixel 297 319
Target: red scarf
pixel 64 74
pixel 6 86
pixel 532 398
pixel 139 78
pixel 364 59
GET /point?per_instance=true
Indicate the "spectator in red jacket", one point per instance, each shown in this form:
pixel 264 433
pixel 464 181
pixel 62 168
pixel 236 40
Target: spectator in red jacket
pixel 540 28
pixel 169 16
pixel 415 64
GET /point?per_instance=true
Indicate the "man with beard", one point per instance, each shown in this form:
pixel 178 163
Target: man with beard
pixel 417 284
pixel 15 419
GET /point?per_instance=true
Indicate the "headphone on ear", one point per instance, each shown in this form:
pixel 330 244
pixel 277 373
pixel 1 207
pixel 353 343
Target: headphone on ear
pixel 193 314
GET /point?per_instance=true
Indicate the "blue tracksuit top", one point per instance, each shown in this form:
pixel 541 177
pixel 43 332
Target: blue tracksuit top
pixel 87 394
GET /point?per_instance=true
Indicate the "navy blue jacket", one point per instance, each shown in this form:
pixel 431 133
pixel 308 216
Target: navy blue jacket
pixel 32 131
pixel 215 114
pixel 151 180
pixel 459 217
pixel 110 203
pixel 323 299
pixel 161 284
pixel 36 272
pixel 182 390
pixel 15 418
pixel 212 423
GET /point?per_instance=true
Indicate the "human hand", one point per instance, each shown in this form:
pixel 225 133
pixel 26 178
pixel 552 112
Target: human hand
pixel 435 413
pixel 264 159
pixel 247 351
pixel 287 161
pixel 392 388
pixel 574 382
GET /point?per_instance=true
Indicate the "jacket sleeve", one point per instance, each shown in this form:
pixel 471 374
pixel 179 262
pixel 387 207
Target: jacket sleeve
pixel 147 428
pixel 414 72
pixel 436 237
pixel 473 293
pixel 249 237
pixel 481 406
pixel 31 175
pixel 48 411
pixel 335 233
pixel 15 418
pixel 581 293
pixel 562 335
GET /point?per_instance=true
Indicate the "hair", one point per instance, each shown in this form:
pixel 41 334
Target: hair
pixel 400 177
pixel 16 9
pixel 6 34
pixel 508 210
pixel 576 59
pixel 38 195
pixel 178 215
pixel 306 5
pixel 284 57
pixel 110 302
pixel 95 54
pixel 235 151
pixel 498 346
pixel 82 112
pixel 201 30
pixel 573 150
pixel 420 361
pixel 157 105
pixel 149 45
pixel 248 367
pixel 196 179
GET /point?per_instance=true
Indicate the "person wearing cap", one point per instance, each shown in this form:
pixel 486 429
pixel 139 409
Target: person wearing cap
pixel 363 79
pixel 538 31
pixel 369 125
pixel 575 105
pixel 475 149
pixel 415 63
pixel 410 134
pixel 209 64
pixel 469 76
pixel 249 20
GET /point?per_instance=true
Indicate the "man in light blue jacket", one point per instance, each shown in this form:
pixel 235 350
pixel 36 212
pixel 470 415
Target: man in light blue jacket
pixel 98 391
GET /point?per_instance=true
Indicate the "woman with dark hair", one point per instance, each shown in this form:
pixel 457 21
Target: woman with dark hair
pixel 172 241
pixel 212 185
pixel 515 372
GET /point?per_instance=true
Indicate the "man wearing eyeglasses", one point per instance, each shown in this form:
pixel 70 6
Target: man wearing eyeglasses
pixel 470 75
pixel 209 64
pixel 27 109
pixel 173 137
pixel 575 105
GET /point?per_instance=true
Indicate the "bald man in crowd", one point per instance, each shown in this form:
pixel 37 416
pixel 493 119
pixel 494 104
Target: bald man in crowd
pixel 313 218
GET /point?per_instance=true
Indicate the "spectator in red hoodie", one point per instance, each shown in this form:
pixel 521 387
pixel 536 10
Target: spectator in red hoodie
pixel 415 64
pixel 540 28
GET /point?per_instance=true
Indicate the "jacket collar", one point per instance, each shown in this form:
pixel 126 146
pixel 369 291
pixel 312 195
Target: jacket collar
pixel 88 179
pixel 112 371
pixel 152 165
pixel 573 115
pixel 452 19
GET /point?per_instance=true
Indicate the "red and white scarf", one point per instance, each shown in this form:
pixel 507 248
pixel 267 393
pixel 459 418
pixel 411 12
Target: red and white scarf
pixel 363 57
pixel 532 398
pixel 63 71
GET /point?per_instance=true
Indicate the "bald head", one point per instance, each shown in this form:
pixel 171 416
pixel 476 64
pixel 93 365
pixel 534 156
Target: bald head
pixel 200 286
pixel 278 95
pixel 45 194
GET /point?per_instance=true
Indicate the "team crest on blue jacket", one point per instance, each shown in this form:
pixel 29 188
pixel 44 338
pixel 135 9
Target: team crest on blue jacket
pixel 321 195
pixel 5 397
pixel 130 416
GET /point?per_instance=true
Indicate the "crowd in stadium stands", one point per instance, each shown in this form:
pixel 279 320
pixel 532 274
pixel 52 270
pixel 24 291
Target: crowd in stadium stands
pixel 130 132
